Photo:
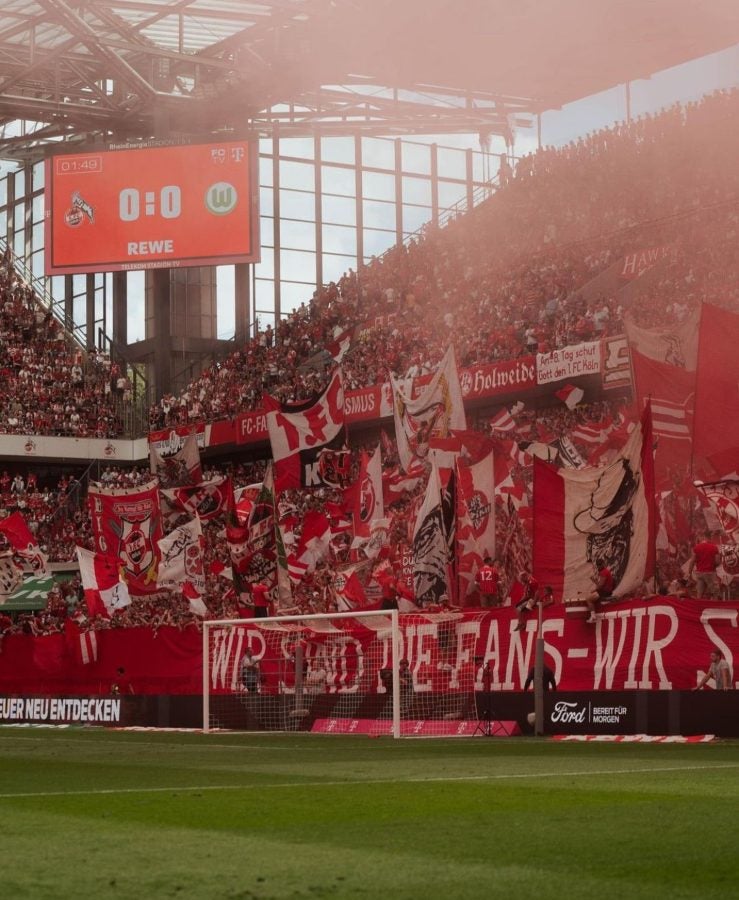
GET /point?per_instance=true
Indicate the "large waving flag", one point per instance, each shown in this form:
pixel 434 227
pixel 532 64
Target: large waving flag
pixel 206 500
pixel 431 556
pixel 105 591
pixel 298 433
pixel 21 539
pixel 435 412
pixel 588 519
pixel 180 467
pixel 671 391
pixel 365 496
pixel 475 520
pixel 181 558
pixel 716 429
pixel 676 345
pixel 126 524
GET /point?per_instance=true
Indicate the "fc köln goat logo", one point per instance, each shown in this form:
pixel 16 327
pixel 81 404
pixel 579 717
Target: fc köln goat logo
pixel 136 548
pixel 478 509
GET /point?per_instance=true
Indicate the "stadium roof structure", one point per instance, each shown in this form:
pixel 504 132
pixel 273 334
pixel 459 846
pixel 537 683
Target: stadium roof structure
pixel 112 70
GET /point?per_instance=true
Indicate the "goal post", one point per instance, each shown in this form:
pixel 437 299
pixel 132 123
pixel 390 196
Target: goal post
pixel 373 672
pixel 285 672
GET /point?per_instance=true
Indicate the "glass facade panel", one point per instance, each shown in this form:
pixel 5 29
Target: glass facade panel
pixel 338 149
pixel 479 167
pixel 339 239
pixel 37 264
pixel 417 190
pixel 379 215
pixel 336 266
pixel 293 293
pixel 38 176
pixel 301 266
pixel 415 157
pixel 376 186
pixel 378 153
pixel 337 181
pixel 303 148
pixel 265 170
pixel 79 310
pixel 296 175
pixel 298 235
pixel 57 288
pixel 225 294
pixel 20 183
pixel 266 267
pixel 38 208
pixel 135 323
pixel 339 210
pixel 450 193
pixel 266 199
pixel 451 163
pixel 377 242
pixel 297 205
pixel 414 217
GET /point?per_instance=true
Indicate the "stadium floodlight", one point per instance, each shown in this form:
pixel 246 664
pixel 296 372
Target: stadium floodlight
pixel 365 672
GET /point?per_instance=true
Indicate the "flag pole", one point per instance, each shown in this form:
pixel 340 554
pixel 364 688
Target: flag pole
pixel 539 658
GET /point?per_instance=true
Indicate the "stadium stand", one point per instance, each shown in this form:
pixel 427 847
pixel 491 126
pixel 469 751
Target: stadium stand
pixel 538 266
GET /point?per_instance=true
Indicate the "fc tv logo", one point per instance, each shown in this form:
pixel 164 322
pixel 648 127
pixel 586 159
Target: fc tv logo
pixel 221 198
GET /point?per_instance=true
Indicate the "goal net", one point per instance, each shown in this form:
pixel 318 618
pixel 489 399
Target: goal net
pixel 376 673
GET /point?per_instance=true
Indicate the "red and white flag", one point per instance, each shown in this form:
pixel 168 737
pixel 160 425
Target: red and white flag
pixel 105 591
pixel 349 590
pixel 24 544
pixel 180 466
pixel 503 421
pixel 365 496
pixel 570 395
pixel 676 345
pixel 126 524
pixel 181 558
pixel 475 520
pixel 435 412
pixel 315 538
pixel 588 519
pixel 11 575
pixel 592 432
pixel 83 645
pixel 206 500
pixel 341 343
pixel 671 391
pixel 723 497
pixel 298 433
pixel 716 429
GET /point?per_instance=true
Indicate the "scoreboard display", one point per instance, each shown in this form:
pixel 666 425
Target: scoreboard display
pixel 152 207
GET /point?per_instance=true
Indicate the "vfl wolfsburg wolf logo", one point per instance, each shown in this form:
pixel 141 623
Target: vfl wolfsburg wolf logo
pixel 221 198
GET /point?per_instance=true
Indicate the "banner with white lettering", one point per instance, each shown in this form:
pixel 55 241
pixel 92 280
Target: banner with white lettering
pixel 662 644
pixel 568 362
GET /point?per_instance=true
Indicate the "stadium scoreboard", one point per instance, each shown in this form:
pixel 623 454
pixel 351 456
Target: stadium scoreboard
pixel 152 207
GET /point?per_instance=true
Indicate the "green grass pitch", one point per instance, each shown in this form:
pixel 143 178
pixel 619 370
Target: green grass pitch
pixel 94 813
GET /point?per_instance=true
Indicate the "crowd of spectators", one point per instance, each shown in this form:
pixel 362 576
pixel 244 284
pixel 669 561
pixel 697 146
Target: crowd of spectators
pixel 505 280
pixel 508 278
pixel 48 384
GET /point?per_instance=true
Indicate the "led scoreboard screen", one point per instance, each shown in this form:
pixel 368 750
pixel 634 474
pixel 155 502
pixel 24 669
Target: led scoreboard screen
pixel 153 207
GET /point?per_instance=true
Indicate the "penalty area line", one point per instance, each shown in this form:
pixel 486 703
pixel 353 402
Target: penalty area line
pixel 508 776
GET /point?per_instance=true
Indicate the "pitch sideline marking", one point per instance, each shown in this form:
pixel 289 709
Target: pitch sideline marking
pixel 298 784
